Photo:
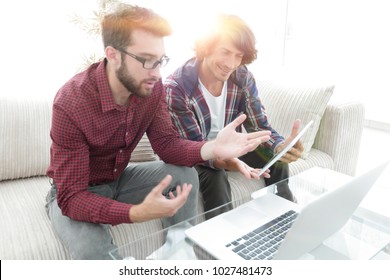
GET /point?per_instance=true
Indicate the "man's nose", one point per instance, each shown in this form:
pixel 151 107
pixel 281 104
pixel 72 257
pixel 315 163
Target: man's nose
pixel 231 62
pixel 156 73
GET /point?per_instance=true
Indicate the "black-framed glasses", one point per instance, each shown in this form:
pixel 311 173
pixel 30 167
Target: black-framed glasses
pixel 148 63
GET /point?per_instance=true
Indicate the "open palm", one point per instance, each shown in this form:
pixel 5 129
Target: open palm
pixel 230 143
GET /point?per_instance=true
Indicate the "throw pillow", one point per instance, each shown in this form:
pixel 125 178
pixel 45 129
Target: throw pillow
pixel 286 102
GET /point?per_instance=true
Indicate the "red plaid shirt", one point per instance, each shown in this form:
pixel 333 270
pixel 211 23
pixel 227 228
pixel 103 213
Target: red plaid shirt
pixel 93 138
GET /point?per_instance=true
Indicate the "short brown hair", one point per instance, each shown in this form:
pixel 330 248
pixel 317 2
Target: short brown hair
pixel 117 25
pixel 233 28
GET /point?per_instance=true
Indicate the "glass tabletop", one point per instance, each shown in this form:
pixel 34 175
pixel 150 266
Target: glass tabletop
pixel 366 235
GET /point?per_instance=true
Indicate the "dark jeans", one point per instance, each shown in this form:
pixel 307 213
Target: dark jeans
pixel 215 188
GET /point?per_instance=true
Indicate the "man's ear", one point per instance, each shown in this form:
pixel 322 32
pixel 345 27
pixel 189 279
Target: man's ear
pixel 113 55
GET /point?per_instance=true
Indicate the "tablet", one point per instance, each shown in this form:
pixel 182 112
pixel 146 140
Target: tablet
pixel 277 156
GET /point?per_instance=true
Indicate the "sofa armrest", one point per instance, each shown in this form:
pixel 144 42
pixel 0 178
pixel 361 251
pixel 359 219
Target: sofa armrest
pixel 340 134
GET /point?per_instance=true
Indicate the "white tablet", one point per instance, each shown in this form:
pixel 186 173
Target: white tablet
pixel 277 156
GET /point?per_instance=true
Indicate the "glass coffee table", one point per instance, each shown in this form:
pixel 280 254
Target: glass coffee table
pixel 366 235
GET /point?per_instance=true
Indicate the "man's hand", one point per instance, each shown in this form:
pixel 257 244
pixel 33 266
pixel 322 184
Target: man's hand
pixel 231 144
pixel 237 165
pixel 296 151
pixel 156 205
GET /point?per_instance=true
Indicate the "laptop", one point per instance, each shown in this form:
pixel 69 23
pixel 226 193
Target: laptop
pixel 270 227
pixel 277 156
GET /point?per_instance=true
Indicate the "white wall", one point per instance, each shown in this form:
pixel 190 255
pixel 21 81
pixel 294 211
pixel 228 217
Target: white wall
pixel 342 41
pixel 41 48
pixel 348 42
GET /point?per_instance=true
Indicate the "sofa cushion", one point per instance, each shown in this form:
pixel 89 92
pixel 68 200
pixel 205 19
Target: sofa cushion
pixel 26 230
pixel 284 103
pixel 317 158
pixel 24 130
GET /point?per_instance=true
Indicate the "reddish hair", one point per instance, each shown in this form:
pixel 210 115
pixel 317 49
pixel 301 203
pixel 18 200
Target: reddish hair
pixel 117 26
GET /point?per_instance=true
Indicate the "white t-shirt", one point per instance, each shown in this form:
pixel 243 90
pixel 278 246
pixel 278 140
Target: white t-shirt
pixel 217 105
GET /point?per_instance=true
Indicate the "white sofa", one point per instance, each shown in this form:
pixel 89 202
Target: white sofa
pixel 26 231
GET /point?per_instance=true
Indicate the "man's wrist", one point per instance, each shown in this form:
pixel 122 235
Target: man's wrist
pixel 133 214
pixel 207 150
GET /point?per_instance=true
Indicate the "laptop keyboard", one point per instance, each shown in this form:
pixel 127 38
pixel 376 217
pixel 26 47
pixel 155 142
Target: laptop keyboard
pixel 263 242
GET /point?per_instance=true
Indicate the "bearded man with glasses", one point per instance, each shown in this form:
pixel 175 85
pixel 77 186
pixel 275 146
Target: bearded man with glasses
pixel 99 116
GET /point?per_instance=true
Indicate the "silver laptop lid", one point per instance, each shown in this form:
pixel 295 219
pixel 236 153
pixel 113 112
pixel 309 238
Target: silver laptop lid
pixel 326 215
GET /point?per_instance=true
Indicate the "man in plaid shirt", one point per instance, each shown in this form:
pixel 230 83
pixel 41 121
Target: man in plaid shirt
pixel 211 90
pixel 99 116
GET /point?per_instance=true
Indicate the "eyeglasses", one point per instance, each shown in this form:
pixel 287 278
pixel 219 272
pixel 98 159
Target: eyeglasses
pixel 148 63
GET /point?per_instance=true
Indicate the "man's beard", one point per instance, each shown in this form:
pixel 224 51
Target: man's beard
pixel 129 82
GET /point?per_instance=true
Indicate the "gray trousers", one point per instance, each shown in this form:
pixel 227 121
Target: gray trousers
pixel 85 240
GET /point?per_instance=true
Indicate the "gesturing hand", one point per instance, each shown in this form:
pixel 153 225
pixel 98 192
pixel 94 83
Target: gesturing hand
pixel 231 144
pixel 156 205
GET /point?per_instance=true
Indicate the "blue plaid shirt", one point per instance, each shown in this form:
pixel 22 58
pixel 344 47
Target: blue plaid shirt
pixel 190 113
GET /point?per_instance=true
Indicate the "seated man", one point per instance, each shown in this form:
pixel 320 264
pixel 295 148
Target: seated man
pixel 99 116
pixel 212 89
